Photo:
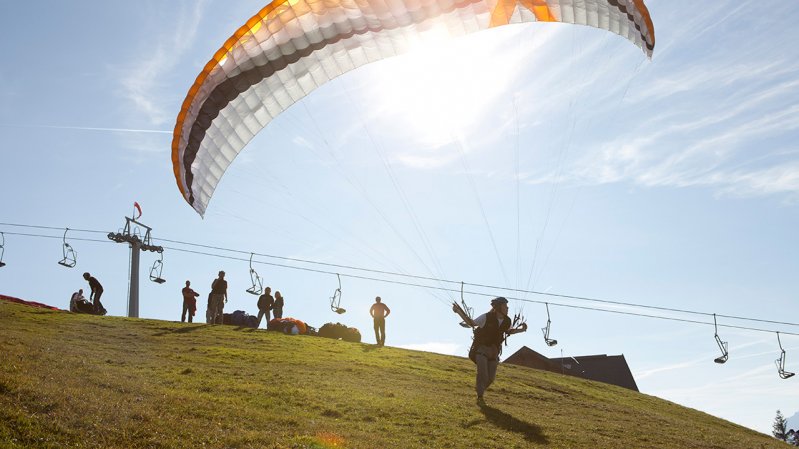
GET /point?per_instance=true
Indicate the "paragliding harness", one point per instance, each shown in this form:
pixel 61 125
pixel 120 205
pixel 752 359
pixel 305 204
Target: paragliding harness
pixel 492 334
pixel 83 305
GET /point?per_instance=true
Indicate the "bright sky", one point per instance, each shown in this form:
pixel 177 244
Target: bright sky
pixel 541 157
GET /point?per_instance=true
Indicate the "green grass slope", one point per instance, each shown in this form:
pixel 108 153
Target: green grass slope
pixel 70 380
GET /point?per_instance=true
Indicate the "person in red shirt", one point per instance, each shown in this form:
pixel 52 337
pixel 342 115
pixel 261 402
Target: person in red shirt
pixel 189 302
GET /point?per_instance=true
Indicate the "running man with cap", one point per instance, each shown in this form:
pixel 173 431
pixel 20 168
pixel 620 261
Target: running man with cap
pixel 490 331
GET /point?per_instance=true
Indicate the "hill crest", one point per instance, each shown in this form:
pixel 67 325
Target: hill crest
pixel 79 380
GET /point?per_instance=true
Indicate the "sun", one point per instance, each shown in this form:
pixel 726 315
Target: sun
pixel 443 89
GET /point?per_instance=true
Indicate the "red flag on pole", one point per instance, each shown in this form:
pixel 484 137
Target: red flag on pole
pixel 137 208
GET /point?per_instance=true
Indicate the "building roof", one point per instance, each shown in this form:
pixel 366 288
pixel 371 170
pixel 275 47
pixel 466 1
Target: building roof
pixel 611 369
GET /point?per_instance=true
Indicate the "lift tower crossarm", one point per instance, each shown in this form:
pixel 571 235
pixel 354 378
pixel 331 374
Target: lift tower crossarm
pixel 137 244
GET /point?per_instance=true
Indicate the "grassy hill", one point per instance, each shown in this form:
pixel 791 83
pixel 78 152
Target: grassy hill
pixel 70 380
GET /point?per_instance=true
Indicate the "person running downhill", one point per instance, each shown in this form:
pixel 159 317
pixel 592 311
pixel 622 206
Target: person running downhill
pixel 379 312
pixel 490 331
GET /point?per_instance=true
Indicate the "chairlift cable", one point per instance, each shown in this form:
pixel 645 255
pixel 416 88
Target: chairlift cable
pixel 467 169
pixel 401 193
pixel 489 295
pixel 453 290
pixel 517 164
pixel 53 228
pixel 357 187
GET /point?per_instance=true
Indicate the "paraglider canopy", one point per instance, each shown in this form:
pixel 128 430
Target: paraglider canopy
pixel 291 47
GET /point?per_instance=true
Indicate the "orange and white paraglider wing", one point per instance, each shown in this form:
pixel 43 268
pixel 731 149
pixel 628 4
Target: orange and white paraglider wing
pixel 291 47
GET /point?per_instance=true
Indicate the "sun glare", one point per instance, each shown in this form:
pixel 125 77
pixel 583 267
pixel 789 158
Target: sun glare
pixel 444 90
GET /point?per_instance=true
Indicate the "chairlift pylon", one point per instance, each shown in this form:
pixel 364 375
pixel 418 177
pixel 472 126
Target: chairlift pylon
pixel 2 249
pixel 780 362
pixel 545 330
pixel 335 300
pixel 157 268
pixel 257 284
pixel 70 258
pixel 723 345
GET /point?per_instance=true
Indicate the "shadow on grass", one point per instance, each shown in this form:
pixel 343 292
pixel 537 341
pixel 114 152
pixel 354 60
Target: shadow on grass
pixel 510 423
pixel 370 348
pixel 179 330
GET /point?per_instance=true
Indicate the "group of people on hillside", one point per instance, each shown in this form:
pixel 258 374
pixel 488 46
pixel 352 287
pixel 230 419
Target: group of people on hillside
pixel 78 303
pixel 491 329
pixel 267 304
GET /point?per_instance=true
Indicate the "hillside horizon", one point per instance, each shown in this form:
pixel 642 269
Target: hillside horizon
pixel 85 381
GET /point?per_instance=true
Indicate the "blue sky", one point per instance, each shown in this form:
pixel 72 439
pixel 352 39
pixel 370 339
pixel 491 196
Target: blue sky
pixel 543 157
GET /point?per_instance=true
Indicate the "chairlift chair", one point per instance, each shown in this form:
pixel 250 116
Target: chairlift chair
pixel 157 269
pixel 257 284
pixel 70 258
pixel 2 249
pixel 468 311
pixel 723 345
pixel 780 362
pixel 335 300
pixel 545 330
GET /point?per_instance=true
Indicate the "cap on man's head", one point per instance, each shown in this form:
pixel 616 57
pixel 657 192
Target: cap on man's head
pixel 498 300
pixel 86 274
pixel 221 273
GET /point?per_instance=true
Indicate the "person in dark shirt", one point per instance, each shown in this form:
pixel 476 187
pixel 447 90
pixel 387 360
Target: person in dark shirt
pixel 189 302
pixel 265 304
pixel 277 308
pixel 490 331
pixel 218 298
pixel 96 293
pixel 379 312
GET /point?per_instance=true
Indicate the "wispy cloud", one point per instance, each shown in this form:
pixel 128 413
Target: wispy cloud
pixel 89 128
pixel 643 374
pixel 142 85
pixel 712 144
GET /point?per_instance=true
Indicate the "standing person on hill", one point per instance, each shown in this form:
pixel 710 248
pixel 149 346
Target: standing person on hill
pixel 277 308
pixel 490 331
pixel 96 293
pixel 265 304
pixel 379 312
pixel 189 302
pixel 218 298
pixel 209 309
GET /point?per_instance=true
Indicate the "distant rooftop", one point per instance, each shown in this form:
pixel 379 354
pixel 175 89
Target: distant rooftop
pixel 610 369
